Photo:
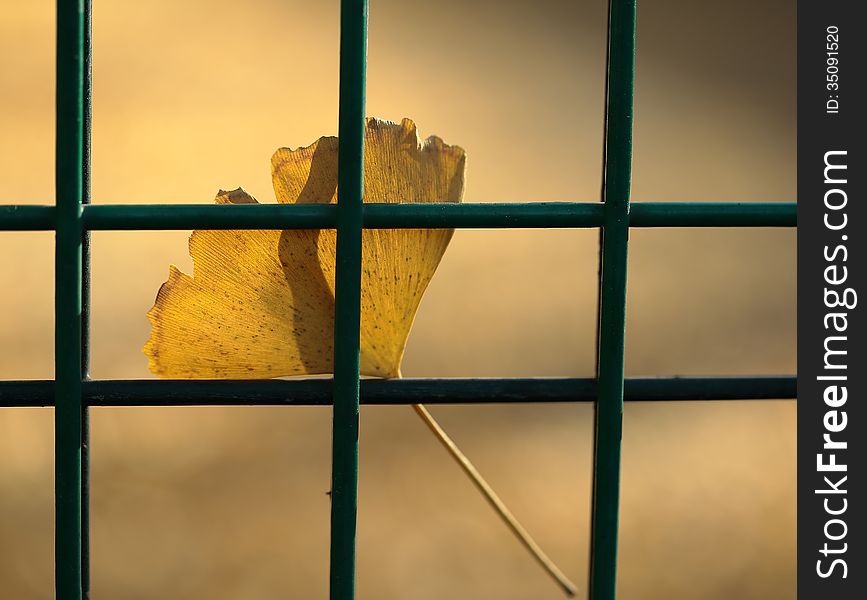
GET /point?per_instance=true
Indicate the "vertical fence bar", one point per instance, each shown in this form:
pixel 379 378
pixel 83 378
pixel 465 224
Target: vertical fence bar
pixel 612 320
pixel 85 300
pixel 67 297
pixel 347 311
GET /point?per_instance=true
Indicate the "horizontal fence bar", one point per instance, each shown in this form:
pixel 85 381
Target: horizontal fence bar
pixel 713 214
pixel 129 217
pixel 27 218
pixel 317 392
pixel 209 216
pixel 525 215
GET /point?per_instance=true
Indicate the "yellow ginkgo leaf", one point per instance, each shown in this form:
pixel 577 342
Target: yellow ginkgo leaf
pixel 261 303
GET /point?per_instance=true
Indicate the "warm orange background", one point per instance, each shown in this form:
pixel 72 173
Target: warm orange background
pixel 230 503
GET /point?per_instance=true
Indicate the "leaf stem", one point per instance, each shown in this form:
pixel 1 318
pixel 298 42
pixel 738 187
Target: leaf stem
pixel 494 500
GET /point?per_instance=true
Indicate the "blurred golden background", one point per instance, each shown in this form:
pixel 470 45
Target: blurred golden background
pixel 229 503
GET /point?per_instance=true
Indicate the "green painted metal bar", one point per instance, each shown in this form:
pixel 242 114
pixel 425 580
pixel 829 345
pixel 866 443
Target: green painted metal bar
pixel 318 392
pixel 69 159
pixel 347 297
pixel 26 218
pixel 131 217
pixel 323 216
pixel 135 217
pixel 85 298
pixel 612 317
pixel 713 214
pixel 483 215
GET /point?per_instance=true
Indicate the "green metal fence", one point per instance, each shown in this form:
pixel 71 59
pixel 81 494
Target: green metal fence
pixel 72 392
